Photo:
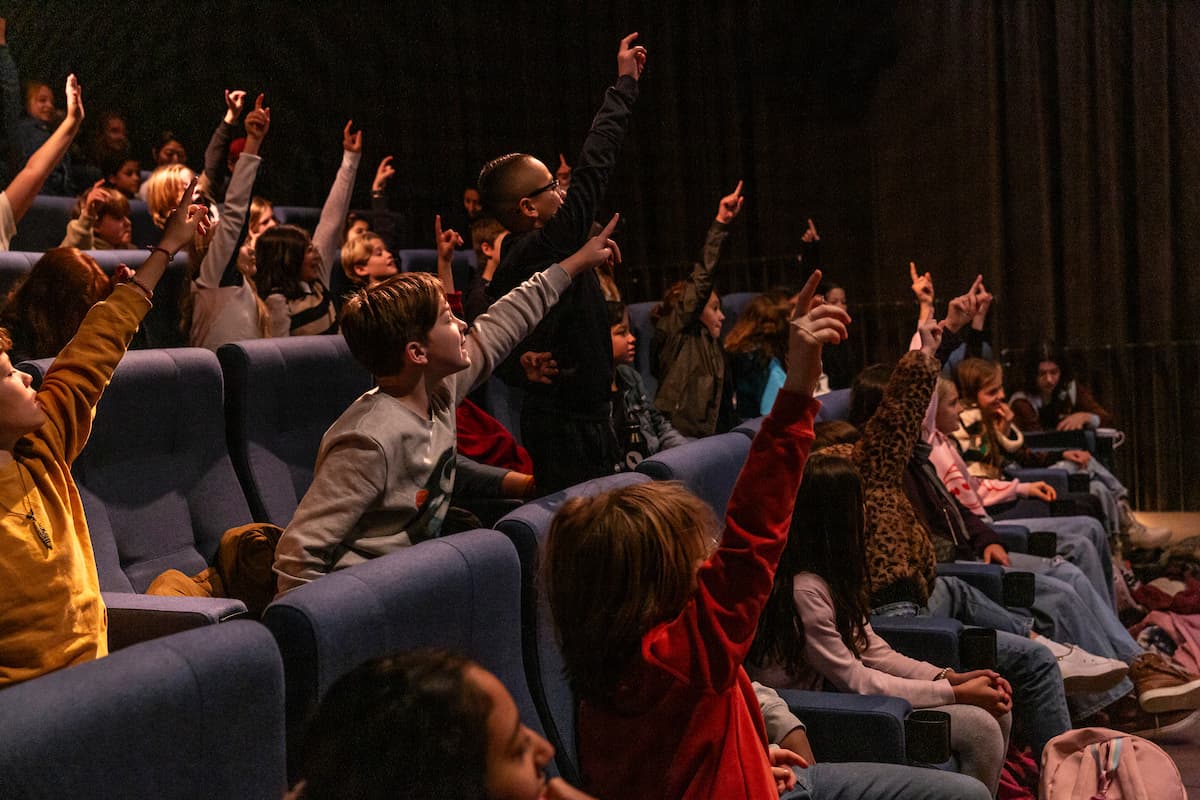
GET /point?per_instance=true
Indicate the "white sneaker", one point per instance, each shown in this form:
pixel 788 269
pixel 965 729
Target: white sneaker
pixel 1082 671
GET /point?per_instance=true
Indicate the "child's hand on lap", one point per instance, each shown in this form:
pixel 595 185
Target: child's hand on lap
pixel 782 762
pixel 595 251
pixel 812 327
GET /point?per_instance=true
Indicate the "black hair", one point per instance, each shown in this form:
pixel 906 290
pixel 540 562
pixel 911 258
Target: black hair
pixel 409 725
pixel 616 312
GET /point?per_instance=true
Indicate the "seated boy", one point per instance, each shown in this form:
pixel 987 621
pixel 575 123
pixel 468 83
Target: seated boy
pixel 51 612
pixel 641 429
pixel 367 261
pixel 385 469
pixel 565 423
pixel 103 222
pixel 487 237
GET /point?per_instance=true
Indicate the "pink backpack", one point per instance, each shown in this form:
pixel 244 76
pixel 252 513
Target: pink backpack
pixel 1103 764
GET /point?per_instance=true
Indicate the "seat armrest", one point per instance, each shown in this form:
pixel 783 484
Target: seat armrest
pixel 1057 478
pixel 931 639
pixel 1015 538
pixel 852 727
pixel 987 578
pixel 134 618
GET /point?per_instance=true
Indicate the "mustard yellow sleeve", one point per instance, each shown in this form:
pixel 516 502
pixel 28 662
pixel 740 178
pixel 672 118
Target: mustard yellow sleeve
pixel 77 378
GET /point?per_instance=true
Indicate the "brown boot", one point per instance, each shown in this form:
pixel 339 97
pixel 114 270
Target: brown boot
pixel 1162 686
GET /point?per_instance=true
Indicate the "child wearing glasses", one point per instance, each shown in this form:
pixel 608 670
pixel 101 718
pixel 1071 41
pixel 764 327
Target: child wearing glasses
pixel 565 424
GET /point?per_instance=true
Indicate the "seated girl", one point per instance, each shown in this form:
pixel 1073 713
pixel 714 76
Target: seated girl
pixel 815 628
pixel 757 345
pixel 294 269
pixel 693 389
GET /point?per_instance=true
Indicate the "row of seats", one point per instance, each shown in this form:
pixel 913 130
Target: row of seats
pixel 239 696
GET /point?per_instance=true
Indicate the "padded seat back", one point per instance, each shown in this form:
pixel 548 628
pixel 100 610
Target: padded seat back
pixel 14 266
pixel 44 224
pixel 708 467
pixel 528 527
pixel 423 260
pixel 643 329
pixel 460 592
pixel 193 715
pixel 156 474
pixel 834 405
pixel 281 395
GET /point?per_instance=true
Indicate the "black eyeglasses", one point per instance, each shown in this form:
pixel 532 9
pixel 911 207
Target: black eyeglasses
pixel 552 186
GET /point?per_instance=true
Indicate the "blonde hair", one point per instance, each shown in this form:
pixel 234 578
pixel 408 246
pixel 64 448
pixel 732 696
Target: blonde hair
pixel 617 564
pixel 356 252
pixel 164 187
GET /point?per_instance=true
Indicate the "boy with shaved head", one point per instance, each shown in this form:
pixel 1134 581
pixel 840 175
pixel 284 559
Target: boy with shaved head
pixel 565 424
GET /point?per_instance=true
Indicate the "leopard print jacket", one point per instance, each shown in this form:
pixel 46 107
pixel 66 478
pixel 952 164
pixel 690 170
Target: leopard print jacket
pixel 900 553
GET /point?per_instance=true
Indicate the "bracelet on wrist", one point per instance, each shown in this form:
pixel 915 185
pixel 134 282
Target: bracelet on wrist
pixel 132 279
pixel 941 675
pixel 156 249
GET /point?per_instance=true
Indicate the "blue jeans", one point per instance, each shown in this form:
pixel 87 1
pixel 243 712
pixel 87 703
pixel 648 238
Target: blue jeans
pixel 882 782
pixel 1039 703
pixel 1084 542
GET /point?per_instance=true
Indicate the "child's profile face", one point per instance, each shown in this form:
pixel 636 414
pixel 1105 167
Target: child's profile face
pixel 310 268
pixel 20 411
pixel 266 220
pixel 117 231
pixel 516 755
pixel 115 136
pixel 1048 376
pixel 712 317
pixel 624 343
pixel 41 104
pixel 380 265
pixel 128 179
pixel 357 228
pixel 949 408
pixel 446 344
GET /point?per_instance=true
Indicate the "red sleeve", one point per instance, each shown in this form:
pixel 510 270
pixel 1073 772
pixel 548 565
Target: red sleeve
pixel 707 643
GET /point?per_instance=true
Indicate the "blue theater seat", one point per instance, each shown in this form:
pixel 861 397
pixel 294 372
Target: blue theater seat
pixel 194 715
pixel 460 592
pixel 281 395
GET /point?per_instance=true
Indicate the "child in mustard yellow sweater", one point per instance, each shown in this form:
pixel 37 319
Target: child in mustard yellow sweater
pixel 51 611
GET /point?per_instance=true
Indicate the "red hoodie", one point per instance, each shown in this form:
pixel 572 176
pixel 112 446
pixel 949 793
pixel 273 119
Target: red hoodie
pixel 684 722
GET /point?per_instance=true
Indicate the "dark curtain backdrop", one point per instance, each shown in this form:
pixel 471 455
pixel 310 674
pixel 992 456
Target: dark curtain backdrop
pixel 1048 146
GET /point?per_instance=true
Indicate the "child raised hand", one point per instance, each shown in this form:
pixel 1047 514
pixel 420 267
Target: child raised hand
pixel 631 58
pixel 811 330
pixel 730 205
pixel 595 251
pixel 351 142
pixel 383 174
pixel 445 241
pixel 235 101
pixel 922 287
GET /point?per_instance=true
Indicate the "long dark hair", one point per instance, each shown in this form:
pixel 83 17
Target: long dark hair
pixel 279 254
pixel 51 303
pixel 828 538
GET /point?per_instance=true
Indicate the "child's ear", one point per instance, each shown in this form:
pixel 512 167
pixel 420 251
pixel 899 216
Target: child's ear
pixel 487 249
pixel 414 353
pixel 361 269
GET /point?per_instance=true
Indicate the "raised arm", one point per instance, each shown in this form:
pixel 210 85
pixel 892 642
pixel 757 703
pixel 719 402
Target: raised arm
pixel 327 237
pixel 214 269
pixel 699 284
pixel 510 319
pixel 216 155
pixel 28 182
pixel 382 220
pixel 75 381
pixel 445 241
pixel 706 644
pixel 569 228
pixel 80 231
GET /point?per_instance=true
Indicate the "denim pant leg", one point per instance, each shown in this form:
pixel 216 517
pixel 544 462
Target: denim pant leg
pixel 1084 542
pixel 1100 616
pixel 954 598
pixel 882 782
pixel 1039 703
